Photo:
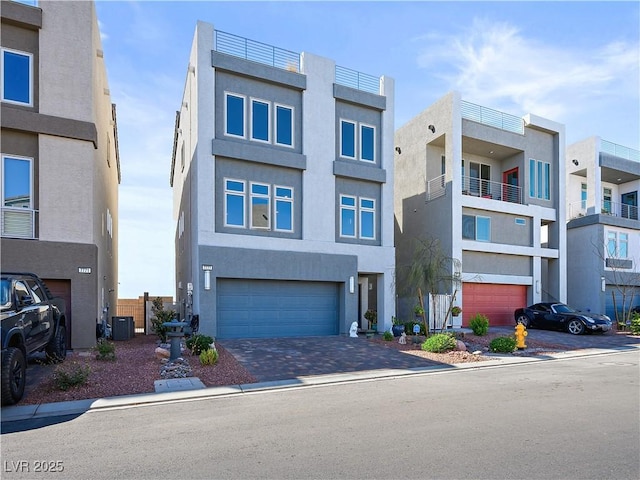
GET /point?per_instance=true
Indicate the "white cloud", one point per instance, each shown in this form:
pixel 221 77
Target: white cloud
pixel 103 34
pixel 495 64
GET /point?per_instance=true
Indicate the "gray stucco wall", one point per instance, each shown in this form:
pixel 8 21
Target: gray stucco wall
pixel 504 228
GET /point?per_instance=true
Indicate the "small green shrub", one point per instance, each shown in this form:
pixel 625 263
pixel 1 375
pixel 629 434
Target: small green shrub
pixel 70 375
pixel 635 324
pixel 479 324
pixel 502 344
pixel 106 350
pixel 388 336
pixel 209 356
pixel 439 343
pixel 199 343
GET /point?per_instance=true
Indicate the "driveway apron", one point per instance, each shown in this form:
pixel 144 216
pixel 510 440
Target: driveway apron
pixel 270 359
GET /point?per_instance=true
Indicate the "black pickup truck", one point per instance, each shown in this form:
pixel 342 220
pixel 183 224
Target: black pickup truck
pixel 32 321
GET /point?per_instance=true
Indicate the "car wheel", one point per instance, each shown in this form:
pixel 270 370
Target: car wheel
pixel 575 327
pixel 57 348
pixel 523 320
pixel 14 370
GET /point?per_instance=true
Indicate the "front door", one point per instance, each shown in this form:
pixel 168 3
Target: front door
pixel 630 205
pixel 510 187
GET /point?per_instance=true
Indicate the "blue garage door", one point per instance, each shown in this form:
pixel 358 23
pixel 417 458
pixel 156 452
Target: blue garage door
pixel 265 308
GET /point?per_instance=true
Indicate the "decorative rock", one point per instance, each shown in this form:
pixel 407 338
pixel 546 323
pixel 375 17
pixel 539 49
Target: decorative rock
pixel 460 346
pixel 179 368
pixel 162 353
pixel 477 352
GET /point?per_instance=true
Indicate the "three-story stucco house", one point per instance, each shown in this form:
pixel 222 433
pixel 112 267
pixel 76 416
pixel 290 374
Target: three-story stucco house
pixel 60 164
pixel 282 174
pixel 603 232
pixel 490 187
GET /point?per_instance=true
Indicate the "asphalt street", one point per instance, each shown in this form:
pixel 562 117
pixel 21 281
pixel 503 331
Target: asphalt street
pixel 573 418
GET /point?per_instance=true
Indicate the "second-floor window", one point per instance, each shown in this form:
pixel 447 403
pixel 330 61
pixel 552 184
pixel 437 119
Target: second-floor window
pixel 17 196
pixel 269 206
pixel 617 245
pixel 267 122
pixel 357 136
pixel 539 179
pixel 17 77
pixel 606 200
pixel 357 217
pixel 583 196
pixel 476 228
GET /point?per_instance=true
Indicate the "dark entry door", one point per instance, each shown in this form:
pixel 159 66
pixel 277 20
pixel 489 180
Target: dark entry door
pixel 630 205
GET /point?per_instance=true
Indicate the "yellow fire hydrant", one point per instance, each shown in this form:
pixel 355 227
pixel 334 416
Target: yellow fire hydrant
pixel 521 332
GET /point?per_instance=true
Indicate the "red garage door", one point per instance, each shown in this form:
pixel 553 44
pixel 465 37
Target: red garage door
pixel 495 301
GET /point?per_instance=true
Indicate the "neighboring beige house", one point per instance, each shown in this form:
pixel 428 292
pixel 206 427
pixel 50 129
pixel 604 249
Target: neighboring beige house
pixel 60 164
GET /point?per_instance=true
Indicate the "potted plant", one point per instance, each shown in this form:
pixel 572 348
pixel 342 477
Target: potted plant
pixel 456 310
pixel 372 317
pixel 397 328
pixel 419 311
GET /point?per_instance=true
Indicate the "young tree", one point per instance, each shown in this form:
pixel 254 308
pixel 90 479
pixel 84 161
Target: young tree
pixel 160 316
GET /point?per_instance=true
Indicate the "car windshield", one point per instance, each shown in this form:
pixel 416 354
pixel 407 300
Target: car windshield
pixel 5 295
pixel 562 308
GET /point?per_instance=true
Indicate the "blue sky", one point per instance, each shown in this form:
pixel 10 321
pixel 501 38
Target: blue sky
pixel 572 62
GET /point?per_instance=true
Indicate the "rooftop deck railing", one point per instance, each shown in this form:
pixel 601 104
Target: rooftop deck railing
pixel 256 51
pixel 358 80
pixel 18 223
pixel 493 118
pixel 620 210
pixel 620 151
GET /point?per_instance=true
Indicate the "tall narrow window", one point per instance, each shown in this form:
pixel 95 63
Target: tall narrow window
pixel 234 203
pixel 347 139
pixel 483 229
pixel 284 125
pixel 17 197
pixel 284 209
pixel 583 196
pixel 367 218
pixel 234 115
pixel 606 200
pixel 260 120
pixel 623 246
pixel 367 143
pixel 612 244
pixel 347 216
pixel 539 179
pixel 17 77
pixel 260 206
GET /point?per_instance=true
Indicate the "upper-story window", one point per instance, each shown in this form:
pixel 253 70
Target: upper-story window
pixel 539 179
pixel 268 122
pixel 354 134
pixel 17 77
pixel 357 217
pixel 17 196
pixel 476 228
pixel 261 198
pixel 583 196
pixel 617 245
pixel 606 200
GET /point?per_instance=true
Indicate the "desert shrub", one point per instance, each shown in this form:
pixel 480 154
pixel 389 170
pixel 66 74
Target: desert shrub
pixel 439 343
pixel 388 336
pixel 160 316
pixel 209 356
pixel 479 324
pixel 70 375
pixel 502 344
pixel 635 323
pixel 106 350
pixel 199 343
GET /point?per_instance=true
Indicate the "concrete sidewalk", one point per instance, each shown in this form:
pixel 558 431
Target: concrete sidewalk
pixel 23 412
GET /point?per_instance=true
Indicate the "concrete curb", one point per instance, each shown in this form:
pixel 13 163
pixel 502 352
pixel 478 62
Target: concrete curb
pixel 78 407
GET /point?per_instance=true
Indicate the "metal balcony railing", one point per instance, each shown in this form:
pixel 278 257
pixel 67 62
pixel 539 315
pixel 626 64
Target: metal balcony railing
pixel 620 151
pixel 504 192
pixel 621 210
pixel 256 51
pixel 435 188
pixel 493 118
pixel 360 81
pixel 18 223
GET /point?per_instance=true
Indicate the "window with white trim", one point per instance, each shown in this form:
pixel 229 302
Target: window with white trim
pixel 260 206
pixel 362 135
pixel 539 179
pixel 284 125
pixel 16 72
pixel 357 217
pixel 617 245
pixel 475 227
pixel 260 124
pixel 234 115
pixel 283 197
pixel 234 210
pixel 17 196
pixel 583 196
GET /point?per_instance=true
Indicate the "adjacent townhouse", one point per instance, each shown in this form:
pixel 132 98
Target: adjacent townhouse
pixel 490 187
pixel 60 164
pixel 282 175
pixel 603 231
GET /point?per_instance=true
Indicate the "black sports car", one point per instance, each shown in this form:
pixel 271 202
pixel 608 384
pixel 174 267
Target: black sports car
pixel 558 316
